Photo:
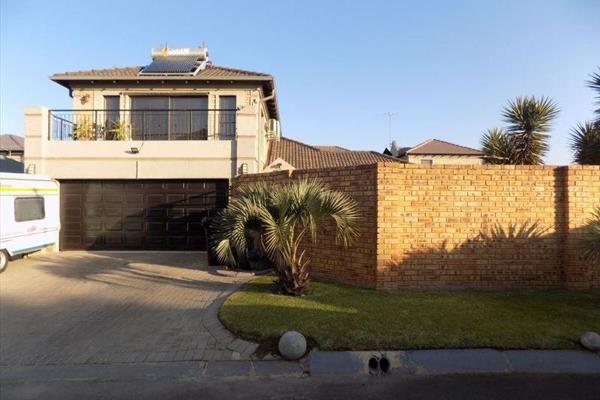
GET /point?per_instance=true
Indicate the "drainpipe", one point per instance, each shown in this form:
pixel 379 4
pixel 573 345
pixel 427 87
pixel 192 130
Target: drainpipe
pixel 264 100
pixel 271 97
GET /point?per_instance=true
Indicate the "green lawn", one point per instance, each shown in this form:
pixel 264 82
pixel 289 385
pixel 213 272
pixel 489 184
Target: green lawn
pixel 339 317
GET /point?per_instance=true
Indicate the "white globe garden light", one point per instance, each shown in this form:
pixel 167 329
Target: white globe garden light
pixel 292 345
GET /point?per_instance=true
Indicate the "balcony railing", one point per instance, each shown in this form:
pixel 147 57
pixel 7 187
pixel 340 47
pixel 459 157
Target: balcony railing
pixel 174 124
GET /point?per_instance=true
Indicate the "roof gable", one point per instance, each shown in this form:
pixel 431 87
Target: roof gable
pixel 440 147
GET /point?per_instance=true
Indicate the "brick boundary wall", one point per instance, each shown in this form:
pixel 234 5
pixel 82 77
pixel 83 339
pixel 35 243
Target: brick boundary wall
pixel 353 265
pixel 455 227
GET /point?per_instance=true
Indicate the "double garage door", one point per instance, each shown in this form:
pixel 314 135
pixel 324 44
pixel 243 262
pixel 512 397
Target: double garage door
pixel 138 214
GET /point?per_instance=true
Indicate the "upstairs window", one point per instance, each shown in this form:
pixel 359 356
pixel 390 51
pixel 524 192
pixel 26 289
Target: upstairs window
pixel 112 104
pixel 227 114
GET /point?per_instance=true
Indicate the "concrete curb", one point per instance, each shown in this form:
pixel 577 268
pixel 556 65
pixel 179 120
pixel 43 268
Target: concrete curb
pixel 468 361
pixel 326 364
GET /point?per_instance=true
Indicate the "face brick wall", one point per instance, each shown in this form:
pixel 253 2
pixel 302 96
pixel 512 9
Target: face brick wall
pixel 353 265
pixel 583 186
pixel 458 226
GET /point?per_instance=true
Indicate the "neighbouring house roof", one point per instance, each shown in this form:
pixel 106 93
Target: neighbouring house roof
pixel 210 73
pixel 331 148
pixel 440 148
pixel 304 156
pixel 10 142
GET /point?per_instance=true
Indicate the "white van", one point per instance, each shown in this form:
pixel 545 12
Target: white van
pixel 29 214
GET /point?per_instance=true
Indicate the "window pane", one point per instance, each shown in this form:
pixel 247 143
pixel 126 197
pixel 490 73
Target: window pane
pixel 427 162
pixel 111 118
pixel 29 208
pixel 150 117
pixel 189 118
pixel 227 105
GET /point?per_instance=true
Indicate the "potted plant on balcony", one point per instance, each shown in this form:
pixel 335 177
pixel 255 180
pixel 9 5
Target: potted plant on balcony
pixel 119 131
pixel 83 129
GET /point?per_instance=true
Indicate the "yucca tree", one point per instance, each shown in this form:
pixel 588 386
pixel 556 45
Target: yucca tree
pixel 529 120
pixel 592 250
pixel 585 143
pixel 497 147
pixel 594 83
pixel 278 219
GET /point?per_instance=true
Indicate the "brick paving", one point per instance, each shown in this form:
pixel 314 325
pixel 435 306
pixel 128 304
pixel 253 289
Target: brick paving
pixel 115 307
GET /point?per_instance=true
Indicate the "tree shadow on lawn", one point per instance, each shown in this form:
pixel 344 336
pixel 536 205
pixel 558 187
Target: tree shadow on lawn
pixel 340 317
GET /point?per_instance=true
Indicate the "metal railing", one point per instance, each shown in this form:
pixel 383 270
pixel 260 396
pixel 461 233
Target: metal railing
pixel 128 124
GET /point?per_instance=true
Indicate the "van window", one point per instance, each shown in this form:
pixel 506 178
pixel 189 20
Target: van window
pixel 29 208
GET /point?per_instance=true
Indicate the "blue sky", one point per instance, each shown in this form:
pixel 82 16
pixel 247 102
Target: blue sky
pixel 445 68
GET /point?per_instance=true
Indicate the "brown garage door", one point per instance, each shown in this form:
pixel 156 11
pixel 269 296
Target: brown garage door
pixel 138 214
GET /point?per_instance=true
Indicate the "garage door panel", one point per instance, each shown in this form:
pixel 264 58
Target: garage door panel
pixel 153 186
pixel 71 214
pixel 197 214
pixel 132 213
pixel 112 197
pixel 155 227
pixel 132 226
pixel 138 214
pixel 133 240
pixel 134 198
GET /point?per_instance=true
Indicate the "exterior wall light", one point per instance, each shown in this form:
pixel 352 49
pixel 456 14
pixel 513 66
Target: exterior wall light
pixel 244 168
pixel 135 150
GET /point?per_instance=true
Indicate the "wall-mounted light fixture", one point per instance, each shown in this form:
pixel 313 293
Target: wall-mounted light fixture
pixel 244 168
pixel 134 150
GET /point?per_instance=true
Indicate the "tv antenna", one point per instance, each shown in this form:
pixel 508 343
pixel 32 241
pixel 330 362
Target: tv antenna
pixel 390 115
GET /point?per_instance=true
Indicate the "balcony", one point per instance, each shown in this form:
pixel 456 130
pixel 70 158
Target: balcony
pixel 151 124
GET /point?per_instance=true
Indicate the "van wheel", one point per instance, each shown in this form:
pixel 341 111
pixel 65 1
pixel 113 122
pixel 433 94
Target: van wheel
pixel 3 260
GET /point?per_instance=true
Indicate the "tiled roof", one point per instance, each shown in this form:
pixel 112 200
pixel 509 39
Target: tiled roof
pixel 11 142
pixel 331 148
pixel 303 156
pixel 211 72
pixel 440 147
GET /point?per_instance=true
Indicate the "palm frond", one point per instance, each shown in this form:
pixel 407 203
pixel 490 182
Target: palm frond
pixel 497 147
pixel 594 83
pixel 283 215
pixel 529 120
pixel 585 143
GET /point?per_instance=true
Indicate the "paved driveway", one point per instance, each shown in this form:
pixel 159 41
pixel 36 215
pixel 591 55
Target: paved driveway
pixel 115 307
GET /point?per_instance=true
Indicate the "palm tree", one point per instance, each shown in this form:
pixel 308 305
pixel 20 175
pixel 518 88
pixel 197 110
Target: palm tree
pixel 592 249
pixel 594 83
pixel 497 147
pixel 529 120
pixel 585 142
pixel 277 219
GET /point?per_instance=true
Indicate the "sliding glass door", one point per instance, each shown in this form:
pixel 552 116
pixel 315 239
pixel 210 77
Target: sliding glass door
pixel 169 117
pixel 187 123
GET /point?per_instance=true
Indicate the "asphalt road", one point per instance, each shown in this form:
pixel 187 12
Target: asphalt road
pixel 463 387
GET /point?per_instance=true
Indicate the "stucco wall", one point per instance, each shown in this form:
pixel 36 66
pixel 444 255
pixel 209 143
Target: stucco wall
pixel 212 158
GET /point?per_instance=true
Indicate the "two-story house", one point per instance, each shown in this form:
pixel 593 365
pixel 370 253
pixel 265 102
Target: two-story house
pixel 147 152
